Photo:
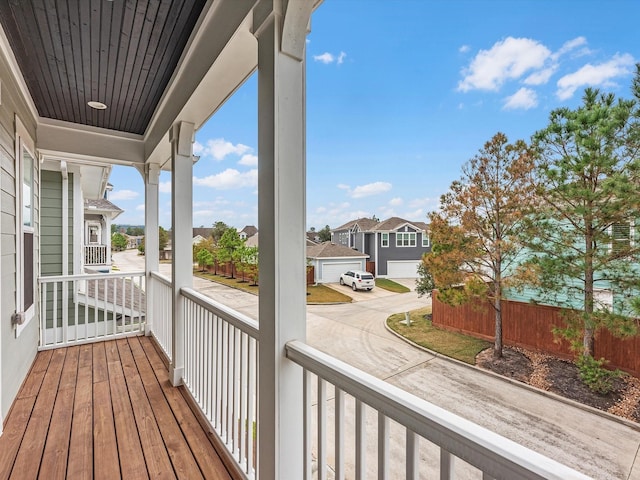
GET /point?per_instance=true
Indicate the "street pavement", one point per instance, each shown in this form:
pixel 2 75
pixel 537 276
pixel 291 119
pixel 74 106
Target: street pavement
pixel 355 333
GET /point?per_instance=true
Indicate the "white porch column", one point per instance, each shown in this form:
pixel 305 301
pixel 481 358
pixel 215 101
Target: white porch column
pixel 281 220
pixel 151 223
pixel 181 137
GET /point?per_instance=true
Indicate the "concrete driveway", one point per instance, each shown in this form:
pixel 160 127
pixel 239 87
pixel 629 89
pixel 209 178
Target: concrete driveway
pixel 355 333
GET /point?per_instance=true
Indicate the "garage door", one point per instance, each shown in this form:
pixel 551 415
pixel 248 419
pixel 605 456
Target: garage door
pixel 331 271
pixel 402 268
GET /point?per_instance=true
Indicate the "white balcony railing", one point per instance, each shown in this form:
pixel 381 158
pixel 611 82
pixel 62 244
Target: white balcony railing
pixel 95 255
pixel 355 413
pixel 221 373
pixel 433 437
pixel 85 308
pixel 160 298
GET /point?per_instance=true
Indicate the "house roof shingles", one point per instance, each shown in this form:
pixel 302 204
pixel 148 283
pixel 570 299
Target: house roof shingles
pixel 332 250
pixel 101 204
pixel 250 230
pixel 203 232
pixel 396 222
pixel 366 224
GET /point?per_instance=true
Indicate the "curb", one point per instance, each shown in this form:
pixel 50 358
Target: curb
pixel 609 416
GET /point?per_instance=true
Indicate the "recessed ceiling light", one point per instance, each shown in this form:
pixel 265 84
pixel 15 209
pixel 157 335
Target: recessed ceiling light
pixel 97 105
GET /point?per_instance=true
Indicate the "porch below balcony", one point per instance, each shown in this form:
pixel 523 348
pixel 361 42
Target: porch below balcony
pixel 105 410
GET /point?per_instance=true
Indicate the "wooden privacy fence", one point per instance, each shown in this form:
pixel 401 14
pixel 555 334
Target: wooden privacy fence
pixel 530 326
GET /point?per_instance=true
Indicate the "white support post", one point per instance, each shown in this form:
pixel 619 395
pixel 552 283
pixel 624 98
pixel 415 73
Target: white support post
pixel 181 137
pixel 151 222
pixel 281 220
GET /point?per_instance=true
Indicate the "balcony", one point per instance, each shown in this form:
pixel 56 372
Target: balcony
pixel 105 403
pixel 95 255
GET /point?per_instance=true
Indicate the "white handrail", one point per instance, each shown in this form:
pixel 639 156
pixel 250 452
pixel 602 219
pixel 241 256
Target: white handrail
pixel 496 456
pixel 237 319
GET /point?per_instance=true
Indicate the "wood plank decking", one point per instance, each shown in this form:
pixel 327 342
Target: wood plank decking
pixel 106 411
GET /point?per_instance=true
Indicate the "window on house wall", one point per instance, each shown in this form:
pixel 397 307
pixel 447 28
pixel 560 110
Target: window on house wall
pixel 406 239
pixel 621 237
pixel 25 197
pixel 425 240
pixel 384 239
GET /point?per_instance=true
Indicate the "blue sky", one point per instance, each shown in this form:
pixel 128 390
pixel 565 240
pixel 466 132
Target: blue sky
pixel 401 93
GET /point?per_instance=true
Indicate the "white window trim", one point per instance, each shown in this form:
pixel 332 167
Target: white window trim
pixel 411 235
pixel 425 236
pixel 382 240
pixel 23 140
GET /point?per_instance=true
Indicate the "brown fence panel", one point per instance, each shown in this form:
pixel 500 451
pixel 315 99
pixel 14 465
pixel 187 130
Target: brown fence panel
pixel 531 326
pixel 371 267
pixel 311 275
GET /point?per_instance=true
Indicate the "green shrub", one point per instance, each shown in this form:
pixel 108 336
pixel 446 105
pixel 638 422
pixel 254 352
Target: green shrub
pixel 594 375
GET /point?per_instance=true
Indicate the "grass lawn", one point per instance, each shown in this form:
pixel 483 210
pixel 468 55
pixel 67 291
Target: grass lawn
pixel 323 294
pixel 232 282
pixel 317 293
pixel 391 285
pixel 452 344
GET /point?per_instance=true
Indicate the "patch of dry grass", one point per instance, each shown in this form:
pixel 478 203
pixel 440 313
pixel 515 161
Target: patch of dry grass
pixel 315 293
pixel 391 285
pixel 452 344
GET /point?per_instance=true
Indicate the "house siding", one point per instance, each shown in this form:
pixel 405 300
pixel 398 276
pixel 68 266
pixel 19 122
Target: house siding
pixel 392 252
pixel 16 354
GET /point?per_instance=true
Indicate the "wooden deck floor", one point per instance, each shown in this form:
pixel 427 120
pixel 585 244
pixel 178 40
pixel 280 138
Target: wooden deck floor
pixel 105 411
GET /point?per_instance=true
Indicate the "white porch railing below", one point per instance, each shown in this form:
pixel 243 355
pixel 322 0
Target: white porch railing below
pixel 428 441
pixel 95 255
pixel 86 308
pixel 221 373
pixel 160 298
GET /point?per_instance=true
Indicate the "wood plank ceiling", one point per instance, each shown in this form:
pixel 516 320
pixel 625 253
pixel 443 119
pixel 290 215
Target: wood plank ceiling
pixel 121 53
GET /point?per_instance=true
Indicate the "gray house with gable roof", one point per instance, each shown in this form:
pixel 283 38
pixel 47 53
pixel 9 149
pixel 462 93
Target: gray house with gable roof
pixel 395 246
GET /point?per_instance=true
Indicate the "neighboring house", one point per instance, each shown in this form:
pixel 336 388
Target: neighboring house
pixel 395 246
pixel 202 232
pixel 331 260
pixel 248 232
pixel 133 241
pixel 252 241
pixel 198 239
pixel 313 236
pixel 98 215
pixel 73 198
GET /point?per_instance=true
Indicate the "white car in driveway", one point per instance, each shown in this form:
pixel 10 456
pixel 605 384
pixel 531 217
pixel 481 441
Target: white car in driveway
pixel 358 280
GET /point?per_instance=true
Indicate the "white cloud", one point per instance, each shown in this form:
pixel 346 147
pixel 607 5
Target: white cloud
pixel 220 148
pixel 508 59
pixel 369 189
pixel 328 58
pixel 342 186
pixel 229 179
pixel 164 187
pixel 123 195
pixel 396 202
pixel 249 160
pixel 541 76
pixel 415 215
pixel 523 99
pixel 325 58
pixel 140 208
pixel 198 148
pixel 569 46
pixel 595 75
pixel 464 48
pixel 426 202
